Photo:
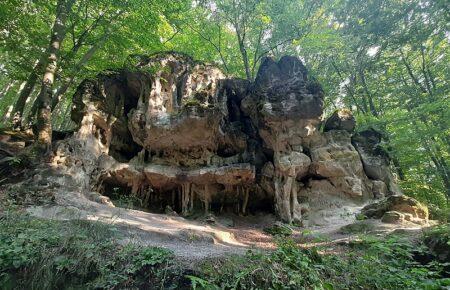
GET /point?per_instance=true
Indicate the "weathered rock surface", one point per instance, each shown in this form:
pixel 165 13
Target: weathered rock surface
pixel 374 158
pixel 340 120
pixel 178 134
pixel 397 208
pixel 393 217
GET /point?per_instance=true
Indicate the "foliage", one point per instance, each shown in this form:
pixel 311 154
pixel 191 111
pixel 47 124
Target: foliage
pixel 441 233
pixel 371 263
pixel 441 214
pixel 386 60
pixel 438 240
pixel 279 230
pixel 288 267
pixel 362 226
pixel 44 254
pixel 125 199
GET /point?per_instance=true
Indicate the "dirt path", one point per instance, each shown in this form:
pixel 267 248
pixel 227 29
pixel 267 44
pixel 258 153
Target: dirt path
pixel 190 240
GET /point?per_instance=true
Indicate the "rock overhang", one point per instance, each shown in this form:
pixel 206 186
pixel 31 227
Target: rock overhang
pixel 197 135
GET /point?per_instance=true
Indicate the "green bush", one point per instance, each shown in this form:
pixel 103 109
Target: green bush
pixel 437 240
pixel 441 214
pixel 279 230
pixel 374 263
pixel 369 263
pixel 288 267
pixel 43 254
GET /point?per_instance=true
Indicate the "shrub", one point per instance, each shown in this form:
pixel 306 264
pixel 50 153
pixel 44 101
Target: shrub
pixel 43 254
pixel 288 267
pixel 374 263
pixel 369 263
pixel 279 229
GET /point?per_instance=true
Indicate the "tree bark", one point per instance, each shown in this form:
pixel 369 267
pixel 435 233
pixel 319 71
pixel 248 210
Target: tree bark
pixel 19 106
pixel 349 89
pixel 86 57
pixel 244 54
pixel 69 81
pixel 372 108
pixel 44 116
pixel 441 168
pixel 439 162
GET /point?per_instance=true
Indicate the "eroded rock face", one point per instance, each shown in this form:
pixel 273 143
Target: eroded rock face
pixel 177 134
pixel 340 120
pixel 374 158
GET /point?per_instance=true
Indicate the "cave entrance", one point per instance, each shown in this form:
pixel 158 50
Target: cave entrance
pixel 188 200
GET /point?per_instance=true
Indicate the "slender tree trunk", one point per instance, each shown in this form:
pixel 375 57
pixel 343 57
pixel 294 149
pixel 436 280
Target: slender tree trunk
pixel 434 154
pixel 243 51
pixel 441 168
pixel 398 167
pixel 19 106
pixel 69 81
pixel 349 89
pixel 7 88
pixel 44 116
pixel 372 108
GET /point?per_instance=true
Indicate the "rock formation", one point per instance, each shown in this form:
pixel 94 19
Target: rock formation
pixel 178 134
pixel 396 209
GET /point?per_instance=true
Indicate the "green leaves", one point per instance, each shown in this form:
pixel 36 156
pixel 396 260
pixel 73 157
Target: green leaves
pixel 43 254
pixel 385 60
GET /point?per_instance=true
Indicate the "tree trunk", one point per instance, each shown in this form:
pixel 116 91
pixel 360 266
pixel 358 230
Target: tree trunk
pixel 439 162
pixel 398 167
pixel 17 112
pixel 372 108
pixel 349 89
pixel 441 168
pixel 69 81
pixel 44 116
pixel 244 56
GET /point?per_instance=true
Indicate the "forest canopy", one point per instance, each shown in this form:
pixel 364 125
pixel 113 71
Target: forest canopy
pixel 387 61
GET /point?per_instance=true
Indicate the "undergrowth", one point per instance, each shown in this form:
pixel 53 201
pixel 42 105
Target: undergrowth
pixel 44 254
pixel 369 263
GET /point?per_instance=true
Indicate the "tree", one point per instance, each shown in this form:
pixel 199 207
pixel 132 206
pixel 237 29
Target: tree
pixel 44 117
pixel 260 27
pixel 100 34
pixel 390 68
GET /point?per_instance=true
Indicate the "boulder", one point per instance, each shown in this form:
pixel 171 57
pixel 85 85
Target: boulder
pixel 393 217
pixel 285 105
pixel 405 205
pixel 340 120
pixel 379 189
pixel 334 158
pixel 374 158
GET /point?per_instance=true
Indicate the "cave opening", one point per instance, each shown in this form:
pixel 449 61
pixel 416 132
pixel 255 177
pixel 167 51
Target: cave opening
pixel 122 147
pixel 171 201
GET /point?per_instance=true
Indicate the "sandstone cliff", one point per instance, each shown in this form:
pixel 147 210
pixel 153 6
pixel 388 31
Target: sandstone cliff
pixel 177 133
